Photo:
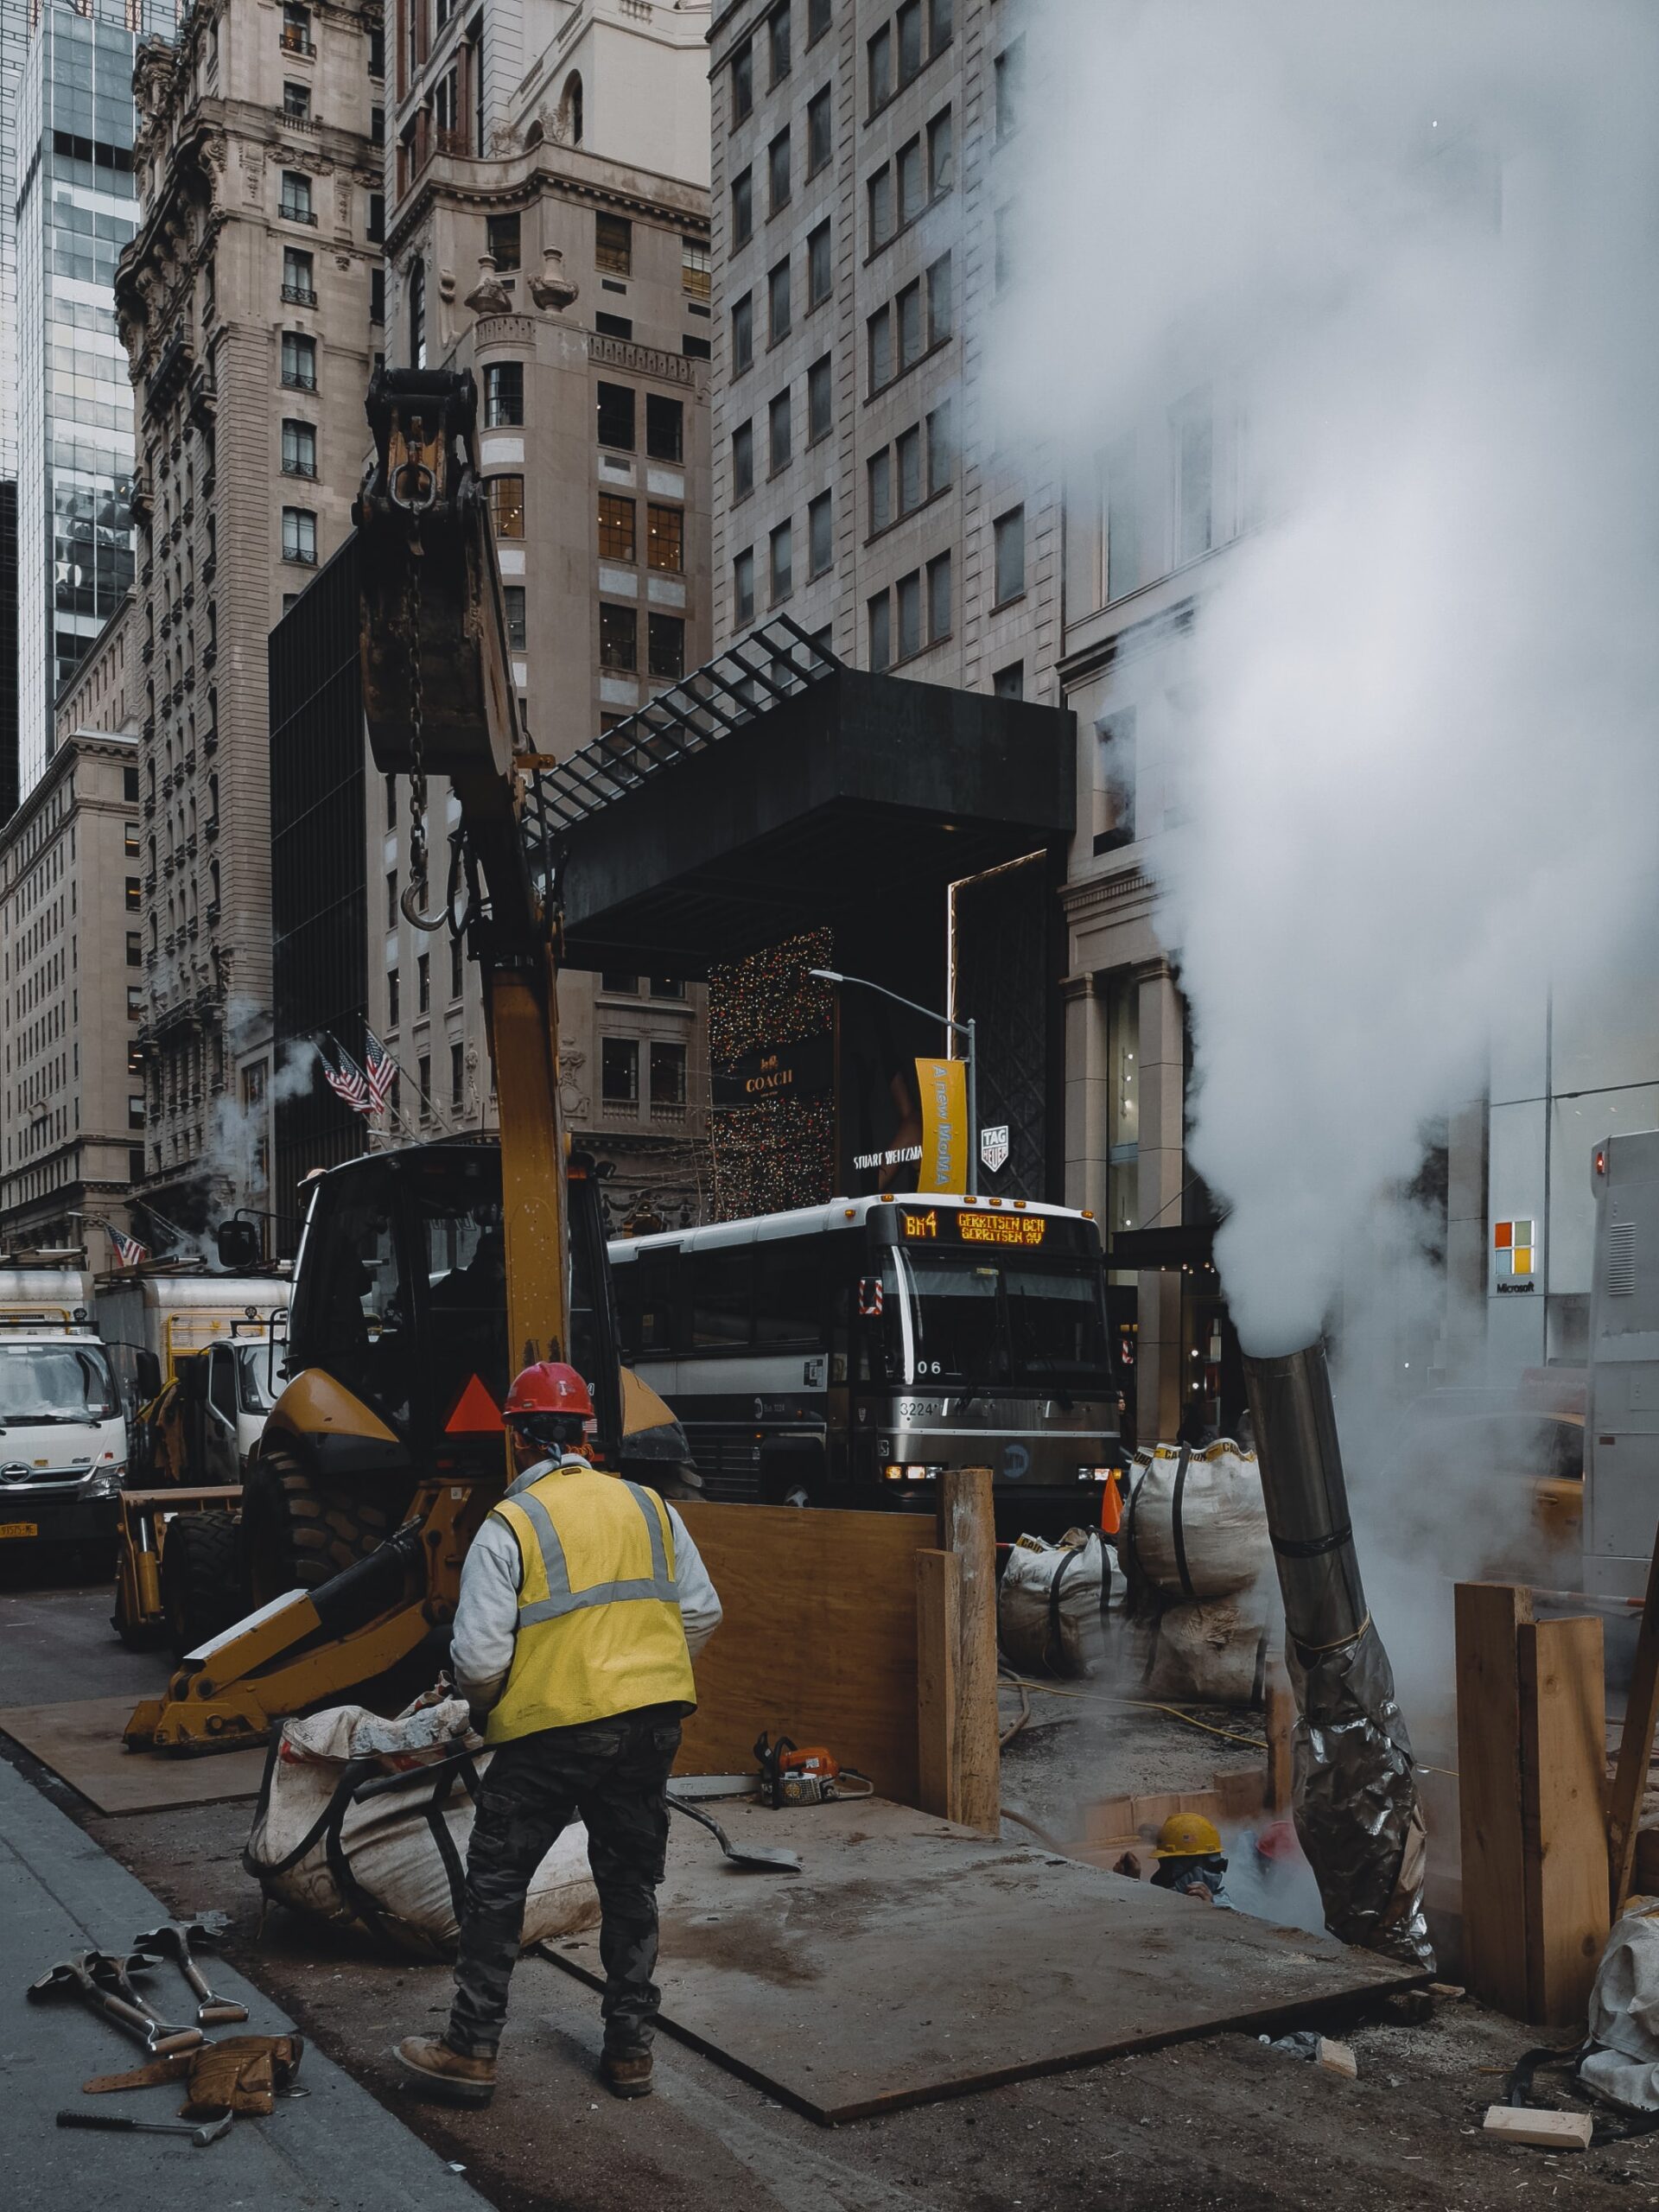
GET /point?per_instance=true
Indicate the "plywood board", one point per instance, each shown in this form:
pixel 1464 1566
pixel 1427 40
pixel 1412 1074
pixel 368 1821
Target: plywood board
pixel 1563 1821
pixel 914 1958
pixel 1488 1617
pixel 818 1640
pixel 938 1594
pixel 81 1743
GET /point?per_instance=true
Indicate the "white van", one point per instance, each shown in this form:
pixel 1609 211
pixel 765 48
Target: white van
pixel 63 1437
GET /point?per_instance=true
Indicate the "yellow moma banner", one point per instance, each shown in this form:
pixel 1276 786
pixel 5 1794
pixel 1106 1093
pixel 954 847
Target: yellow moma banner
pixel 942 1086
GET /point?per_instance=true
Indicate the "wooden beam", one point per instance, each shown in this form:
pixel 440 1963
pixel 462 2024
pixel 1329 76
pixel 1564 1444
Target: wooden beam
pixel 968 1528
pixel 1635 1747
pixel 1563 1780
pixel 1280 1723
pixel 1488 1619
pixel 938 1636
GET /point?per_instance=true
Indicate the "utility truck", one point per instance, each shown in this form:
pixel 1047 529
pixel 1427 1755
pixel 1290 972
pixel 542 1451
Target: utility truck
pixel 63 1436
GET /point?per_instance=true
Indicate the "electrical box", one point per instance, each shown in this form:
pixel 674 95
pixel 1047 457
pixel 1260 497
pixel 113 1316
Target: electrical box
pixel 1621 1455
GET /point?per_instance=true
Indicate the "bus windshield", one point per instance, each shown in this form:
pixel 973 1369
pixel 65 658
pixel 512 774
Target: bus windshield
pixel 1012 1321
pixel 55 1383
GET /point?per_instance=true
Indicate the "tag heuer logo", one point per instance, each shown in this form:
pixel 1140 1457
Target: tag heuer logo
pixel 993 1146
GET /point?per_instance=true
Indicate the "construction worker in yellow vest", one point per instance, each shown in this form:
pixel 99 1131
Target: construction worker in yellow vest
pixel 582 1601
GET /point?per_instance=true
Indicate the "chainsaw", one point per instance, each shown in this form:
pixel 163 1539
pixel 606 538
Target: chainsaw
pixel 813 1776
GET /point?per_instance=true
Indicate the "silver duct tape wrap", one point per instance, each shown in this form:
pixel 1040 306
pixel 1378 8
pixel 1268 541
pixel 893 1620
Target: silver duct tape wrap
pixel 1354 1795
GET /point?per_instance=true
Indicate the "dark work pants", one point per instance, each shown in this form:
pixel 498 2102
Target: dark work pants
pixel 613 1776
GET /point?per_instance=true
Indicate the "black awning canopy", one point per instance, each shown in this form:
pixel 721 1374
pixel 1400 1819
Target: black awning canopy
pixel 819 794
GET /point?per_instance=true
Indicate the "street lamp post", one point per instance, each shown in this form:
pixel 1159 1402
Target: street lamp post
pixel 964 1029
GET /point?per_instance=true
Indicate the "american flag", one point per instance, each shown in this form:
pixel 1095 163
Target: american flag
pixel 344 1078
pixel 128 1251
pixel 379 1070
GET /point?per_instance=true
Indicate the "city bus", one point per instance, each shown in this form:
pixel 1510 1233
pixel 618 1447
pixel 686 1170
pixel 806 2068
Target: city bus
pixel 845 1354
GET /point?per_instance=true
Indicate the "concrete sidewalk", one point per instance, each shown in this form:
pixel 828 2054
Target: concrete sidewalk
pixel 335 2150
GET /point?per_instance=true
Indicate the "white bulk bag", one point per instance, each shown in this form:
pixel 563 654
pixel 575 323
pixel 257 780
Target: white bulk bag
pixel 1213 1653
pixel 1049 1603
pixel 1621 2053
pixel 365 1822
pixel 1196 1524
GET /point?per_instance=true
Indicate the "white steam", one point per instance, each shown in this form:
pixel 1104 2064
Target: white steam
pixel 1410 252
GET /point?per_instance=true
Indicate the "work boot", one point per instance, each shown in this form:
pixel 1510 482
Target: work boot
pixel 627 2073
pixel 444 2074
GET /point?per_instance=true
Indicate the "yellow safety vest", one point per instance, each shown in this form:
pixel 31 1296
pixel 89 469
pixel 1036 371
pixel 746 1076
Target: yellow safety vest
pixel 599 1630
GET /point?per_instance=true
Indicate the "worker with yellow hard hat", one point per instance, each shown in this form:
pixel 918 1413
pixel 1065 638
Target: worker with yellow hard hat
pixel 1190 1859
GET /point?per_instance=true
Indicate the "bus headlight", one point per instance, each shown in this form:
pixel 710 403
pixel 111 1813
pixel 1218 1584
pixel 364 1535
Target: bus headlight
pixel 894 1474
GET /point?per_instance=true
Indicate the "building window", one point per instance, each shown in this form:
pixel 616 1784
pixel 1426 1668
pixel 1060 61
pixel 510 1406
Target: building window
pixel 911 196
pixel 377 126
pixel 907 449
pixel 909 20
pixel 423 983
pixel 878 472
pixel 377 222
pixel 818 20
pixel 417 313
pixel 457 952
pixel 743 588
pixel 613 245
pixel 778 315
pixel 615 527
pixel 613 326
pixel 941 23
pixel 693 268
pixel 819 133
pixel 939 450
pixel 938 599
pixel 507 506
pixel 743 82
pixel 296 28
pixel 881 632
pixel 504 395
pixel 618 638
pixel 135 895
pixel 742 207
pixel 666 645
pixel 664 428
pixel 667 1073
pixel 666 539
pixel 571 114
pixel 457 1074
pixel 777 182
pixel 742 461
pixel 513 595
pixel 941 302
pixel 295 204
pixel 820 401
pixel 502 236
pixel 777 43
pixel 820 534
pixel 941 155
pixel 135 949
pixel 300 536
pixel 820 276
pixel 377 295
pixel 134 1001
pixel 130 840
pixel 1010 539
pixel 878 334
pixel 1007 73
pixel 616 416
pixel 393 998
pixel 1009 683
pixel 743 334
pixel 618 1071
pixel 879 61
pixel 877 195
pixel 136 1111
pixel 783 578
pixel 620 985
pixel 423 1084
pixel 297 103
pixel 299 449
pixel 299 361
pixel 778 416
pixel 909 595
pixel 909 305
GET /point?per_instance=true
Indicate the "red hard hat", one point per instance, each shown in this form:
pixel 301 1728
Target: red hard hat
pixel 549 1387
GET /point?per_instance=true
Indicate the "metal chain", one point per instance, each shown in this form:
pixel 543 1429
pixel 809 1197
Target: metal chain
pixel 414 899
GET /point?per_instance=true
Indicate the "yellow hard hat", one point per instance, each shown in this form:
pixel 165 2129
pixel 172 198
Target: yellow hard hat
pixel 1187 1835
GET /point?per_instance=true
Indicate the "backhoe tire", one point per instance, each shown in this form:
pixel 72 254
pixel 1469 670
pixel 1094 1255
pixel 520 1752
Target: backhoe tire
pixel 299 1533
pixel 202 1590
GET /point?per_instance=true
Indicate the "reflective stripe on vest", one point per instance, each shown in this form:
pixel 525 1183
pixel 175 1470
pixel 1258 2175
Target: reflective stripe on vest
pixel 561 1597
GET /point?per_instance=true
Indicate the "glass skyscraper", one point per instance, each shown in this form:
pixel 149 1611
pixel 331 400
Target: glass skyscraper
pixel 76 208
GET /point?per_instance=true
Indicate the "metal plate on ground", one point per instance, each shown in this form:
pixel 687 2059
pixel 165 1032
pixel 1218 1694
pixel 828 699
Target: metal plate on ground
pixel 912 1959
pixel 81 1743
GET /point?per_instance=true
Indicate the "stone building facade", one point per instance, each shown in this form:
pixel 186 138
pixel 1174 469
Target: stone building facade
pixel 250 303
pixel 72 1094
pixel 549 229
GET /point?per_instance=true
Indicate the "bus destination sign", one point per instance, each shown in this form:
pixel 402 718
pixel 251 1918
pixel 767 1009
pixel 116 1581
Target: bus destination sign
pixel 971 1226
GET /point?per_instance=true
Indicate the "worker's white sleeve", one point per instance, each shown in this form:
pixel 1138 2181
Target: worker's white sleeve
pixel 487 1617
pixel 699 1606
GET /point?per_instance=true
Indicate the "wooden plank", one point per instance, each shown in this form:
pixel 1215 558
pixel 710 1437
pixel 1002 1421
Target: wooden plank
pixel 1635 1746
pixel 939 1599
pixel 1488 1617
pixel 81 1743
pixel 818 1640
pixel 1563 1768
pixel 913 1959
pixel 1280 1725
pixel 1549 2131
pixel 968 1528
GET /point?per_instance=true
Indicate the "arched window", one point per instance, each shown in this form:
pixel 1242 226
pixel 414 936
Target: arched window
pixel 570 119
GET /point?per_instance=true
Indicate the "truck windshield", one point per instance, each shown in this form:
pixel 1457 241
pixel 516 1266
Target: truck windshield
pixel 55 1383
pixel 1013 1321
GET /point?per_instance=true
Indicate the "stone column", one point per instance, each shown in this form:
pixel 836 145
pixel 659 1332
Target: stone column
pixel 1088 1101
pixel 1162 1172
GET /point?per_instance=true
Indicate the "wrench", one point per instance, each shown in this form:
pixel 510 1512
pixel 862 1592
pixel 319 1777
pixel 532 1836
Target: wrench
pixel 172 1939
pixel 75 1974
pixel 114 1970
pixel 206 2131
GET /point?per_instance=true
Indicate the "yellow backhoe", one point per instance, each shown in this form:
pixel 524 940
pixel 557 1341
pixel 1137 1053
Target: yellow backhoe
pixel 425 1276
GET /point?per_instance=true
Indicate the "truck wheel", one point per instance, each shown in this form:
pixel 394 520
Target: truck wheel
pixel 300 1533
pixel 202 1578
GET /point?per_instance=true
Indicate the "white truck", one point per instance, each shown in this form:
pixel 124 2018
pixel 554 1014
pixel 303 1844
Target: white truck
pixel 63 1432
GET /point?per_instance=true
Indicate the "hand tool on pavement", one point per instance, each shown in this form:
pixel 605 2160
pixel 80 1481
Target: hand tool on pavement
pixel 789 1776
pixel 173 1940
pixel 245 2073
pixel 113 1971
pixel 74 1976
pixel 207 2131
pixel 759 1858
